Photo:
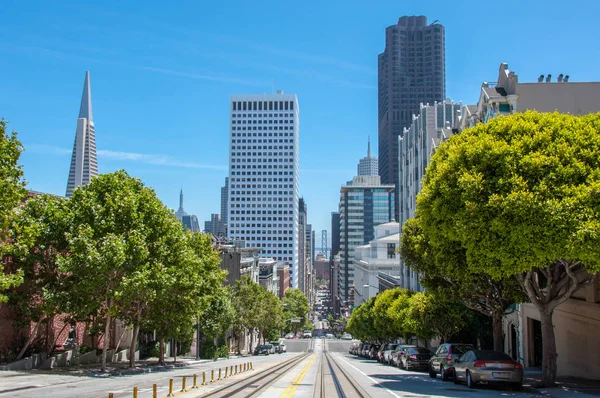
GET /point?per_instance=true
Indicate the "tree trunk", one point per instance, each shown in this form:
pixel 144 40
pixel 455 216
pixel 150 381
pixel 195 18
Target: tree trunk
pixel 548 350
pixel 497 331
pixel 31 337
pixel 174 344
pixel 161 352
pixel 105 337
pixel 55 340
pixel 134 337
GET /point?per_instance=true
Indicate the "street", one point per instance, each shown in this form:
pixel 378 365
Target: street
pixel 302 380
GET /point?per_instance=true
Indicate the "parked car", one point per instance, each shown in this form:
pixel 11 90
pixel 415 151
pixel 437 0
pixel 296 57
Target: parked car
pixel 277 346
pixel 346 336
pixel 387 354
pixel 354 348
pixel 373 351
pixel 262 349
pixel 415 358
pixel 443 359
pixel 364 350
pixel 489 366
pixel 380 352
pixel 289 336
pixel 307 334
pixel 282 348
pixel 398 353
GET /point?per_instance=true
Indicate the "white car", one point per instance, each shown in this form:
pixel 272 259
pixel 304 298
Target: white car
pixel 346 336
pixel 307 334
pixel 289 336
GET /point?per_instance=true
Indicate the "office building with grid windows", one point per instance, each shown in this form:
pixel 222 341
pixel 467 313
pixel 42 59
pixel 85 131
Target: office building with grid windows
pixel 364 204
pixel 263 175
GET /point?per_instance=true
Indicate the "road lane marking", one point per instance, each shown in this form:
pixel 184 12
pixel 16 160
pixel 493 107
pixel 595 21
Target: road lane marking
pixel 378 384
pixel 289 391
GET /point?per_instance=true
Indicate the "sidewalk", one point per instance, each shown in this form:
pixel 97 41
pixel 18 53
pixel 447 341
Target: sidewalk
pixel 148 365
pixel 565 386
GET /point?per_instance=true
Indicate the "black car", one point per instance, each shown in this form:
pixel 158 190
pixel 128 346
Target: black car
pixel 415 358
pixel 262 349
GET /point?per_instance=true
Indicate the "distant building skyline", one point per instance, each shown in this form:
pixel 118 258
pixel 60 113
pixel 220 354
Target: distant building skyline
pixel 84 160
pixel 368 166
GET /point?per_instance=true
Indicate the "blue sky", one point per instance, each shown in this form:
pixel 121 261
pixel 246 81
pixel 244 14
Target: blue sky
pixel 162 74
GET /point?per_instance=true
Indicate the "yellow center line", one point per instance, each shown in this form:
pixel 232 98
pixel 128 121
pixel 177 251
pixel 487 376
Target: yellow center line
pixel 289 391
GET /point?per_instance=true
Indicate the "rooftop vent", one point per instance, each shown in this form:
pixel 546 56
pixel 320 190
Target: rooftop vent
pixel 541 78
pixel 566 79
pixel 560 78
pixel 548 78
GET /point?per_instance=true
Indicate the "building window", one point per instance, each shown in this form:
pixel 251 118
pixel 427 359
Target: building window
pixel 391 250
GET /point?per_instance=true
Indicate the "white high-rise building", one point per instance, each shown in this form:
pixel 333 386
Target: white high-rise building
pixel 84 163
pixel 368 166
pixel 263 175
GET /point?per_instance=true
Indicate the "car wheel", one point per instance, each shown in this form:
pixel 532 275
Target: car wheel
pixel 443 373
pixel 456 381
pixel 432 372
pixel 470 382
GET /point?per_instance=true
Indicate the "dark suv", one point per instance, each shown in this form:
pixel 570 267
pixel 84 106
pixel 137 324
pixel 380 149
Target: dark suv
pixel 441 362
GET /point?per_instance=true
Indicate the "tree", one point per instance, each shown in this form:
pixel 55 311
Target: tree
pixel 520 195
pixel 295 306
pixel 13 191
pixel 361 324
pixel 384 319
pixel 123 243
pixel 398 312
pixel 42 221
pixel 431 316
pixel 189 280
pixel 218 318
pixel 246 295
pixel 444 270
pixel 270 319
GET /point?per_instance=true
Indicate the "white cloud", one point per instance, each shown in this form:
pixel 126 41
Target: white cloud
pixel 157 159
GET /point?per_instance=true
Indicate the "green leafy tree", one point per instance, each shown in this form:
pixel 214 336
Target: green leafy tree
pixel 125 246
pixel 246 294
pixel 12 187
pixel 270 319
pixel 430 316
pixel 295 306
pixel 520 195
pixel 444 270
pixel 42 219
pixel 384 320
pixel 218 318
pixel 189 279
pixel 398 311
pixel 361 323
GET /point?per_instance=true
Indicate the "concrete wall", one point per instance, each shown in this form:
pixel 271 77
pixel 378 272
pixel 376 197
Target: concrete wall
pixel 576 325
pixel 573 97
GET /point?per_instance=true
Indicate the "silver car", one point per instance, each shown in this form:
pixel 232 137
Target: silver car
pixel 482 366
pixel 387 354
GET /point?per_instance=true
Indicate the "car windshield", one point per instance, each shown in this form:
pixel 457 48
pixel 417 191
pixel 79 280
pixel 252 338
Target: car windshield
pixel 392 346
pixel 461 349
pixel 262 347
pixel 492 355
pixel 418 350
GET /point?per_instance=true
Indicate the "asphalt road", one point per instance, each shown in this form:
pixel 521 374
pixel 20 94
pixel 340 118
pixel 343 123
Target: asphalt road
pixel 376 379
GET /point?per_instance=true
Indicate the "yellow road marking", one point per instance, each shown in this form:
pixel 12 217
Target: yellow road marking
pixel 289 391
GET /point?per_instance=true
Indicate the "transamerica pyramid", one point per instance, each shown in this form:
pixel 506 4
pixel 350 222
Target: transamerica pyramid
pixel 84 163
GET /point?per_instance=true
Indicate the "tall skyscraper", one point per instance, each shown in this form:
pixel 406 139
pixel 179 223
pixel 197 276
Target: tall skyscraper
pixel 84 163
pixel 263 175
pixel 302 251
pixel 411 71
pixel 180 212
pixel 364 204
pixel 368 166
pixel 224 192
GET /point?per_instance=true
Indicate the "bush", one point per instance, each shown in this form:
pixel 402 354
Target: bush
pixel 222 352
pixel 84 349
pixel 150 349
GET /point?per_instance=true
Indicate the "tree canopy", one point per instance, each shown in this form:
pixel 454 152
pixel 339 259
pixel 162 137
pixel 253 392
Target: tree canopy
pixel 13 191
pixel 520 195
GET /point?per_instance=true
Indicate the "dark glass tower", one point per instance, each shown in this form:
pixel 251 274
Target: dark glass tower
pixel 411 71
